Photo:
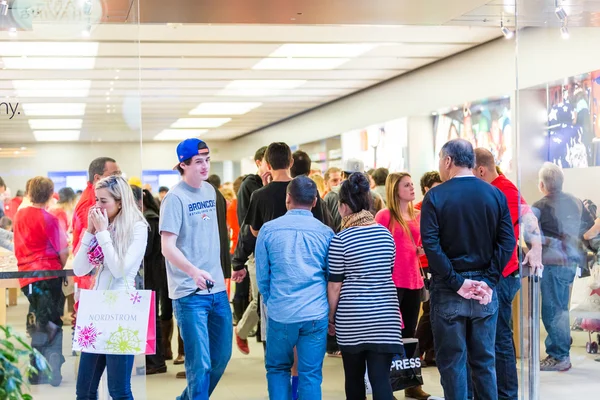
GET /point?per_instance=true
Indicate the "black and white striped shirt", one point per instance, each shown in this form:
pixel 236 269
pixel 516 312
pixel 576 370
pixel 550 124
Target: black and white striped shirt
pixel 368 315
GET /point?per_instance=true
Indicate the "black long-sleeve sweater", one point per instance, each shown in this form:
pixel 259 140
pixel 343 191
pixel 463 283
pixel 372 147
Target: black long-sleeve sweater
pixel 466 226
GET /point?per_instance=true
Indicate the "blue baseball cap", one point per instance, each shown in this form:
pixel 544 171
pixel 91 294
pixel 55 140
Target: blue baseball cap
pixel 190 148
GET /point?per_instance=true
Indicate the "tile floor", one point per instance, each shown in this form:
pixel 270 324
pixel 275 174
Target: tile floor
pixel 245 375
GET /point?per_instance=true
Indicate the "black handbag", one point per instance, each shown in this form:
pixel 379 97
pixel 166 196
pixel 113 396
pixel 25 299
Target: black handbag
pixel 405 371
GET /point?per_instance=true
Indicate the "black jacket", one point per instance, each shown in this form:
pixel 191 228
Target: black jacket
pixel 155 273
pixel 246 240
pixel 248 186
pixel 223 234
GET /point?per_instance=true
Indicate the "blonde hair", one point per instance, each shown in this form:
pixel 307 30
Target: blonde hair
pixel 129 214
pixel 320 182
pixel 393 202
pixel 227 193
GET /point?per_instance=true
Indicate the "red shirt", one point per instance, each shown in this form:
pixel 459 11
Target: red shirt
pixel 12 207
pixel 38 242
pixel 61 215
pixel 80 220
pixel 516 203
pixel 232 222
pixel 406 272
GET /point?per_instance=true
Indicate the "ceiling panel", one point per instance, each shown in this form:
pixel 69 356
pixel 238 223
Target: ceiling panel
pixel 169 69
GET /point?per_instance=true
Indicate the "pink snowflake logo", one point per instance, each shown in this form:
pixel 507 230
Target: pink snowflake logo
pixel 135 298
pixel 87 336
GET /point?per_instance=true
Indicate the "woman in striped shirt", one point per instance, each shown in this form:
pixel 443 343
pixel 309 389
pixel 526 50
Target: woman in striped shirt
pixel 364 311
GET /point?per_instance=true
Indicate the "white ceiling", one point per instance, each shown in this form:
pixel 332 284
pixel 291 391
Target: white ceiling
pixel 172 68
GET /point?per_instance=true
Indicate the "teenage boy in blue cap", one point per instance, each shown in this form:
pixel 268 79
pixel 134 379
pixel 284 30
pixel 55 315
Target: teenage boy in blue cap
pixel 190 244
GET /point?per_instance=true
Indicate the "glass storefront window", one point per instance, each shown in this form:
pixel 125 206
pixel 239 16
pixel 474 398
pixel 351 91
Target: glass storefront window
pixel 69 93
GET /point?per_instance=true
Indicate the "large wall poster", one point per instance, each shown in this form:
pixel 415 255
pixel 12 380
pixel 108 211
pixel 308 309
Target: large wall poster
pixel 485 124
pixel 573 133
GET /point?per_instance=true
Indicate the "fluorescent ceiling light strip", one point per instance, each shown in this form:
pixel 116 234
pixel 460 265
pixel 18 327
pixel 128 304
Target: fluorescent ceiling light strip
pixel 300 63
pixel 52 84
pixel 224 108
pixel 74 49
pixel 326 50
pixel 265 84
pixel 54 109
pixel 49 62
pixel 250 92
pixel 179 134
pixel 55 123
pixel 200 122
pixel 53 93
pixel 52 88
pixel 56 136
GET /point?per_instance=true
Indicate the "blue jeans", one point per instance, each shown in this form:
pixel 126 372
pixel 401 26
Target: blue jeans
pixel 310 340
pixel 464 330
pixel 506 360
pixel 555 287
pixel 205 324
pixel 91 368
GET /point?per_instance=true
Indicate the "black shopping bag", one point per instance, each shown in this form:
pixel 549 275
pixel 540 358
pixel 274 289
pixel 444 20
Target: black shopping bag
pixel 405 371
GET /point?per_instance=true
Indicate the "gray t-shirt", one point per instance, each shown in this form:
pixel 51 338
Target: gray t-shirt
pixel 191 214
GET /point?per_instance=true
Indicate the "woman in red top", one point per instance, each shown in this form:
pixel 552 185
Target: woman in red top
pixel 403 221
pixel 41 245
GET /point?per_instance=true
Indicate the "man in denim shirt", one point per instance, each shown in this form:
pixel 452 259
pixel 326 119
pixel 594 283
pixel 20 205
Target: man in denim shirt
pixel 291 268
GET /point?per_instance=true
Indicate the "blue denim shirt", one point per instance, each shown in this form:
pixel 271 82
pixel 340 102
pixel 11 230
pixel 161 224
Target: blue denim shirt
pixel 291 267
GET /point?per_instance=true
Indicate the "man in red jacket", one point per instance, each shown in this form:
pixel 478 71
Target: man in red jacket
pixel 99 168
pixel 510 282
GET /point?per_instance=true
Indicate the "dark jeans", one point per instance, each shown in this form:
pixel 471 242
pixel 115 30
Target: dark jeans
pixel 378 365
pixel 46 301
pixel 410 305
pixel 464 330
pixel 506 360
pixel 555 287
pixel 424 333
pixel 118 369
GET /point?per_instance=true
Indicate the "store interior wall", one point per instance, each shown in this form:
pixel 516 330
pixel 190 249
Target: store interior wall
pixel 421 154
pixel 487 71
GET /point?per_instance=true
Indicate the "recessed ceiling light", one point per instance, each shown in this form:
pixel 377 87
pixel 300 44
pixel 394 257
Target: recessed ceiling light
pixel 224 108
pixel 52 109
pixel 55 123
pixel 56 136
pixel 179 134
pixel 265 84
pixel 49 62
pixel 323 50
pixel 200 122
pixel 300 63
pixel 52 88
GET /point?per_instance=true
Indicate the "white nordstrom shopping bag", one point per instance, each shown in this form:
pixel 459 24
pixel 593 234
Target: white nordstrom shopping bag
pixel 114 322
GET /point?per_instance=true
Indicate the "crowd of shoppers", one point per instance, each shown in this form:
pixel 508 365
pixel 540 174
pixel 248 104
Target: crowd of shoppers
pixel 336 264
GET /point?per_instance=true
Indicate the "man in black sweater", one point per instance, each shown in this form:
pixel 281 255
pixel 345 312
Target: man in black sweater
pixel 468 237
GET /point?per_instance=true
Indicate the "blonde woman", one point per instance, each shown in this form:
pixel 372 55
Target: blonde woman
pixel 403 222
pixel 318 179
pixel 114 246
